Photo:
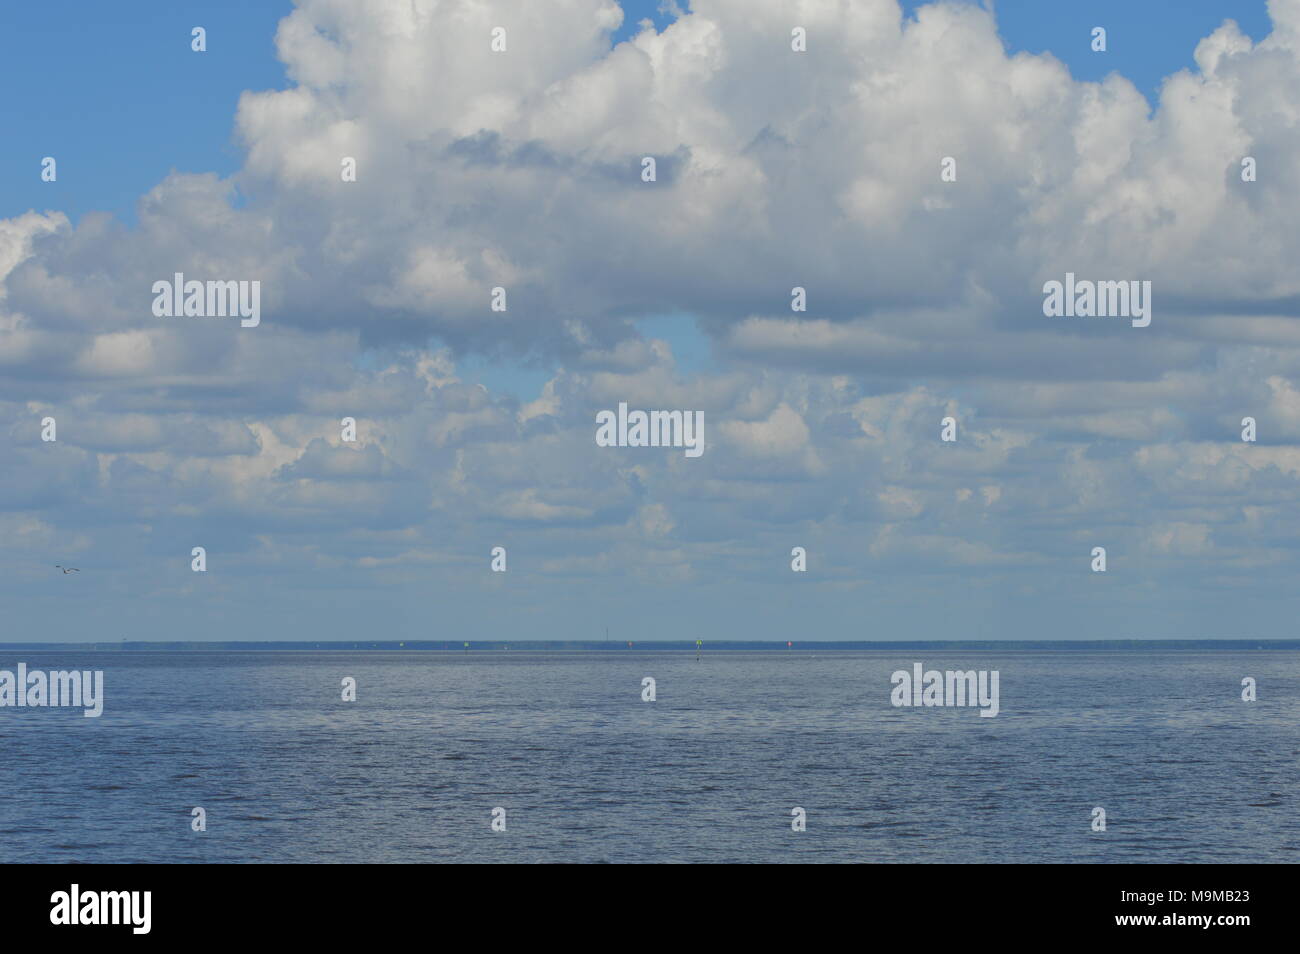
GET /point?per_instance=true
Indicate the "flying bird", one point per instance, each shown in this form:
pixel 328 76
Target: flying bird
pixel 66 569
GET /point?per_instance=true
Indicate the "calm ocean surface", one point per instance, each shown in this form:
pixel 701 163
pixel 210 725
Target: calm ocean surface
pixel 587 772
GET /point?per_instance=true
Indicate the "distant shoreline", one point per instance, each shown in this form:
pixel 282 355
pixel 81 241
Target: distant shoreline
pixel 677 645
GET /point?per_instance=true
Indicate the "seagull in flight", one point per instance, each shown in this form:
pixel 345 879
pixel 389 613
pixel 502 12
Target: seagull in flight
pixel 66 569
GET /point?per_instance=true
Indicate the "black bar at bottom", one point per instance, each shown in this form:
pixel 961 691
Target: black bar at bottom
pixel 333 903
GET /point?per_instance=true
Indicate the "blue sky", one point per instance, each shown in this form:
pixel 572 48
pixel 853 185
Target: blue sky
pixel 122 100
pixel 476 427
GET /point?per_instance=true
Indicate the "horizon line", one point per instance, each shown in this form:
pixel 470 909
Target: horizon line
pixel 522 645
